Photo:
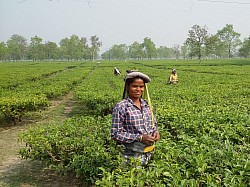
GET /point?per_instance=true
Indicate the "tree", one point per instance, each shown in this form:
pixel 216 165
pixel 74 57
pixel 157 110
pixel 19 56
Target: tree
pixel 95 47
pixel 36 49
pixel 106 55
pixel 176 51
pixel 84 48
pixel 51 50
pixel 214 46
pixel 65 49
pixel 164 52
pixel 184 51
pixel 72 48
pixel 244 50
pixel 119 52
pixel 196 40
pixel 149 48
pixel 17 47
pixel 75 47
pixel 230 38
pixel 136 50
pixel 3 51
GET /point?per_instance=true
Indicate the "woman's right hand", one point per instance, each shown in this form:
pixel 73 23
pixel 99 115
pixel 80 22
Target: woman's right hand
pixel 147 139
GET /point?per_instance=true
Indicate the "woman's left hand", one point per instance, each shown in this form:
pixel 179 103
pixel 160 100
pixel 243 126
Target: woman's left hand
pixel 156 135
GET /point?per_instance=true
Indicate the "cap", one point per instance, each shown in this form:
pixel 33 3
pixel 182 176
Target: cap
pixel 138 74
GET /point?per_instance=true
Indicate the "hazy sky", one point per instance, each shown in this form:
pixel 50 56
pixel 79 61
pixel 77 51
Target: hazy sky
pixel 166 22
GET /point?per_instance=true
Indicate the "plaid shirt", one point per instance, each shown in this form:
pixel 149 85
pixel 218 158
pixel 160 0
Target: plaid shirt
pixel 129 122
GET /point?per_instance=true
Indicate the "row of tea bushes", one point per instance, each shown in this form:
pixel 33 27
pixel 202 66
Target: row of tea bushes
pixel 31 94
pixel 203 122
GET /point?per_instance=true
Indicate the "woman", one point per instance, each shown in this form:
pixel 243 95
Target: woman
pixel 173 78
pixel 133 125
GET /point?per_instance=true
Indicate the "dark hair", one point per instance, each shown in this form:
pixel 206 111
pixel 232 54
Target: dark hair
pixel 127 84
pixel 131 80
pixel 129 71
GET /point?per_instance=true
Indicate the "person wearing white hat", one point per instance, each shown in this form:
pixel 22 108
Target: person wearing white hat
pixel 133 123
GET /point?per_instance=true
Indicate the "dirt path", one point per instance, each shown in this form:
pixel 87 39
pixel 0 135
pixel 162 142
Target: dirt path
pixel 15 171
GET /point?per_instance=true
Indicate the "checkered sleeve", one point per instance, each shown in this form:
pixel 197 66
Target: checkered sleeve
pixel 118 132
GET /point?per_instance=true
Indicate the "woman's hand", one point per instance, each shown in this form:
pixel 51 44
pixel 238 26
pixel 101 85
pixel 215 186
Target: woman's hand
pixel 147 139
pixel 156 135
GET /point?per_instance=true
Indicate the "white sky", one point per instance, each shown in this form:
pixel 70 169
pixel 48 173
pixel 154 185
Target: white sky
pixel 166 22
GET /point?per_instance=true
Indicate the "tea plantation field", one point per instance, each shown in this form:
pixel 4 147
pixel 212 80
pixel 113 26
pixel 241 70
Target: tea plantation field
pixel 204 120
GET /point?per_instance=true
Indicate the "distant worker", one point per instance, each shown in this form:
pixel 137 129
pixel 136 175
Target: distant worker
pixel 116 71
pixel 173 78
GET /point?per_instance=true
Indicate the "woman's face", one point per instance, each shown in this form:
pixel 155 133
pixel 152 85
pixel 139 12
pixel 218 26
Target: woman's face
pixel 136 88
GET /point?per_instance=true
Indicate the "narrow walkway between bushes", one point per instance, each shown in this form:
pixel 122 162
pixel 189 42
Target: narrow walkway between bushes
pixel 15 171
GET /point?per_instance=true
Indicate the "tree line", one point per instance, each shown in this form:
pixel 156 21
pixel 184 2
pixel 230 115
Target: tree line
pixel 199 44
pixel 72 48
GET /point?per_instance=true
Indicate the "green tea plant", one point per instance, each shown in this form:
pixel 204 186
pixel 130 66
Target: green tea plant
pixel 80 145
pixel 32 91
pixel 15 105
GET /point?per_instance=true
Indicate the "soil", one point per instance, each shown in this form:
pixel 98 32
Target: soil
pixel 15 171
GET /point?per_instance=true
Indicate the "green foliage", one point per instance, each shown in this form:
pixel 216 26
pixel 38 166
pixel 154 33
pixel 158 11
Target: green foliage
pixel 80 145
pixel 244 50
pixel 14 106
pixel 203 122
pixel 99 94
pixel 25 92
pixel 230 38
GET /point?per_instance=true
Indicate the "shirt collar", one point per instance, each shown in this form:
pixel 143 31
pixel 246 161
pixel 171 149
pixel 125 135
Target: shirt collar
pixel 131 103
